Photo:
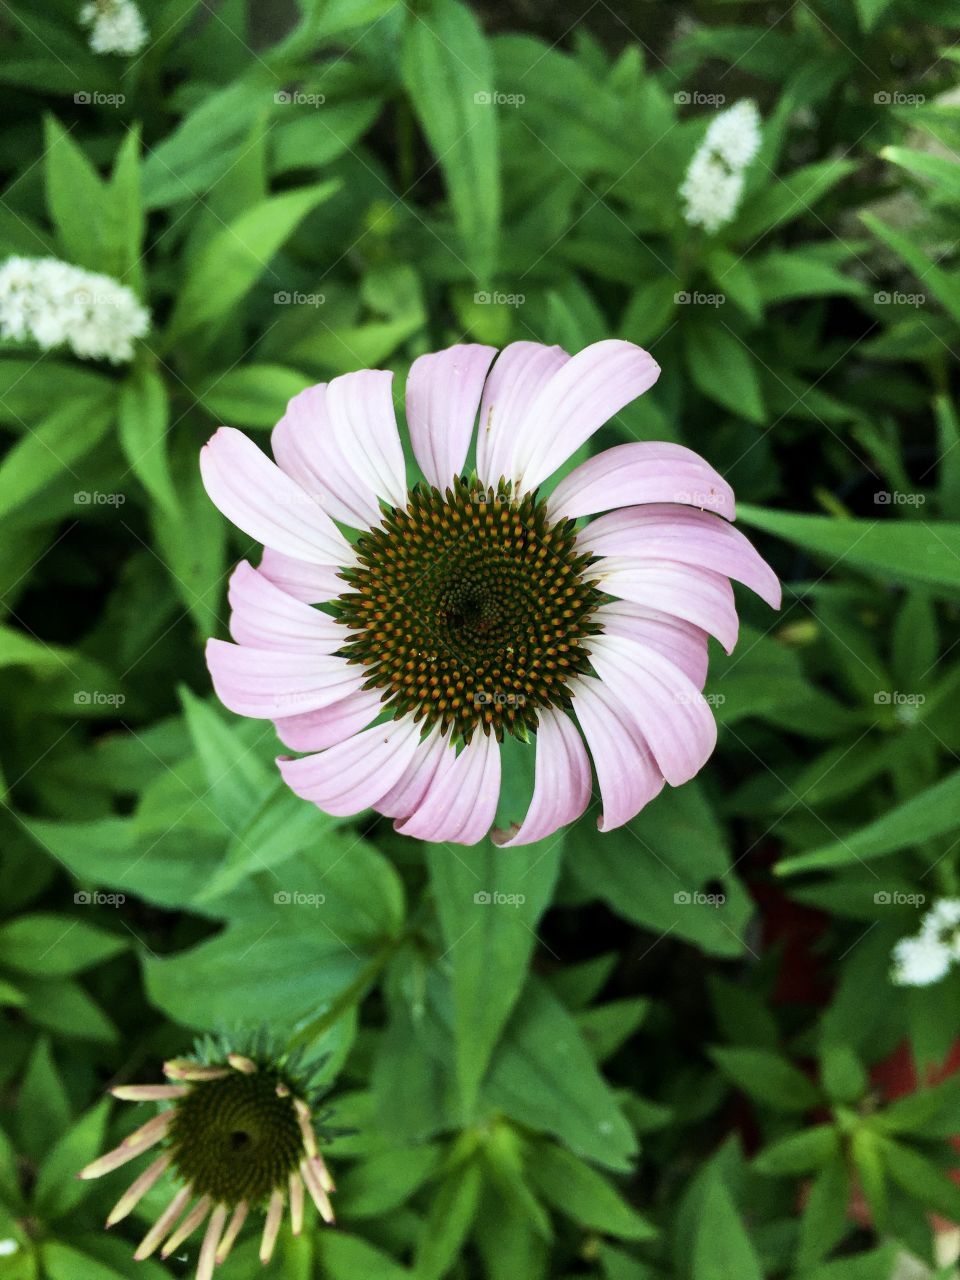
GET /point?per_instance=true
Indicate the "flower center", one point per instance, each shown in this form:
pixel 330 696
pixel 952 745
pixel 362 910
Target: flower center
pixel 233 1139
pixel 470 609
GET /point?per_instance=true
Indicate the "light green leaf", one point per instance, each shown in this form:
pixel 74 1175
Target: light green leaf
pixel 723 368
pixel 254 395
pixel 143 422
pixel 448 73
pixel 722 1248
pixel 55 945
pixel 585 1196
pixel 766 1076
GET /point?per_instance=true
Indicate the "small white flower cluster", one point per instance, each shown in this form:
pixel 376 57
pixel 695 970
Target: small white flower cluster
pixel 116 26
pixel 713 184
pixel 927 956
pixel 56 304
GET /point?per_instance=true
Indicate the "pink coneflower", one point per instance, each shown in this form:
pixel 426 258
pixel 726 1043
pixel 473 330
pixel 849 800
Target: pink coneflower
pixel 471 605
pixel 238 1136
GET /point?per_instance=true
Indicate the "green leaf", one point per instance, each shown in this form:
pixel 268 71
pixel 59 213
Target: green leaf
pixel 583 1195
pixel 346 1257
pixel 489 901
pixel 54 945
pixel 43 1109
pixel 143 423
pixel 63 1262
pixel 236 256
pixel 254 395
pixel 383 1182
pixel 924 552
pixel 722 1248
pixel 784 199
pixel 448 74
pixel 944 287
pixel 45 454
pixel 65 1007
pixel 723 368
pixel 543 1076
pixel 448 1222
pixel 824 1222
pixel 921 1178
pixel 944 174
pixel 931 813
pixel 766 1076
pixel 58 1190
pixel 799 1152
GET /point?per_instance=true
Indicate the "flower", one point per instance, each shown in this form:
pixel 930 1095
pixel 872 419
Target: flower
pixel 117 26
pixel 471 606
pixel 925 958
pixel 56 304
pixel 239 1135
pixel 713 183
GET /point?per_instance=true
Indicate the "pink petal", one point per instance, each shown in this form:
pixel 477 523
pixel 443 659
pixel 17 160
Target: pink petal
pixel 271 1227
pixel 443 392
pixel 404 797
pixel 211 1242
pixel 267 618
pixel 312 583
pixel 649 471
pixel 364 424
pixel 520 371
pixel 137 1190
pixel 317 730
pixel 581 396
pixel 460 803
pixel 269 685
pixel 663 531
pixel 626 771
pixel 698 595
pixel 265 503
pixel 562 782
pixel 353 775
pixel 684 644
pixel 668 709
pixel 307 449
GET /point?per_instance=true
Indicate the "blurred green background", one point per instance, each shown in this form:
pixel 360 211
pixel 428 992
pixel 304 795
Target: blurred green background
pixel 682 1054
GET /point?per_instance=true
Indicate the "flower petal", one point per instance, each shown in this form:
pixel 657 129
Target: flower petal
pixel 353 775
pixel 668 709
pixel 325 727
pixel 268 685
pixel 681 642
pixel 562 781
pixel 403 798
pixel 312 583
pixel 265 503
pixel 578 399
pixel 138 1189
pixel 443 392
pixel 267 618
pixel 307 449
pixel 648 471
pixel 627 774
pixel 698 595
pixel 662 531
pixel 460 803
pixel 364 424
pixel 211 1242
pixel 519 373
